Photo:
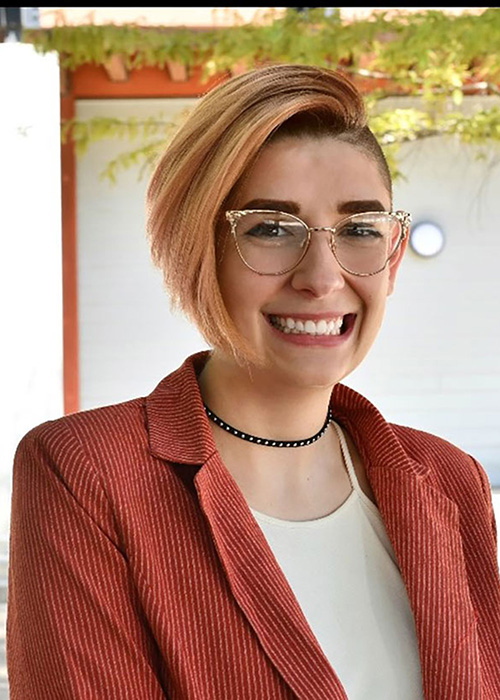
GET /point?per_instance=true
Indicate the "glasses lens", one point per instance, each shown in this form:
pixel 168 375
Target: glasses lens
pixel 270 242
pixel 365 242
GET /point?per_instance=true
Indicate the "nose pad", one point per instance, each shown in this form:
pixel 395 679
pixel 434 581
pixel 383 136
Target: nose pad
pixel 331 239
pixel 331 244
pixel 319 271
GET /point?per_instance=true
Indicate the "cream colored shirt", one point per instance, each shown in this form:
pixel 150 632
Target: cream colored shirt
pixel 343 572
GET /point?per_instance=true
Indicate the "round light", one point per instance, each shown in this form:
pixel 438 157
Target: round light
pixel 426 239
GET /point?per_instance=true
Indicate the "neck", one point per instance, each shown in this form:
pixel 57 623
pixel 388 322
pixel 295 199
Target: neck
pixel 289 483
pixel 257 403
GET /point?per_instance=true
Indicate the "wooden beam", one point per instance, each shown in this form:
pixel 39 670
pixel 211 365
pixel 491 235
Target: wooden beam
pixel 177 71
pixel 91 82
pixel 116 69
pixel 71 379
pixel 65 81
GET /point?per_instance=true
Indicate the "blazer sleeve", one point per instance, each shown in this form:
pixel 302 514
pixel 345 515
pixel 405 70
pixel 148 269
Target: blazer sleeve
pixel 74 628
pixel 488 496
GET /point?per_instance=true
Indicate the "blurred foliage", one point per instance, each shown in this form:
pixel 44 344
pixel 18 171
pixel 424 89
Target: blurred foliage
pixel 152 133
pixel 430 54
pixel 419 50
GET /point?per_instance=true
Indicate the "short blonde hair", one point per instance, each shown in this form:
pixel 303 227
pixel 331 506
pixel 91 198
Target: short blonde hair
pixel 204 163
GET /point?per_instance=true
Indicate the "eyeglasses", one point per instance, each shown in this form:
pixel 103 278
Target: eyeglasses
pixel 274 242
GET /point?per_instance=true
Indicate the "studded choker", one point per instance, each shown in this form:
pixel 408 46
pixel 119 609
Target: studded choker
pixel 265 441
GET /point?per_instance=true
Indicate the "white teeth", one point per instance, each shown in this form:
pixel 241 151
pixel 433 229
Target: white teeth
pixel 286 324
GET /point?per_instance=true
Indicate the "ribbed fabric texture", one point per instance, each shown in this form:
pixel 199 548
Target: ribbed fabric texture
pixel 138 572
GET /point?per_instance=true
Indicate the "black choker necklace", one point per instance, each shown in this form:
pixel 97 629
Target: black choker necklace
pixel 263 441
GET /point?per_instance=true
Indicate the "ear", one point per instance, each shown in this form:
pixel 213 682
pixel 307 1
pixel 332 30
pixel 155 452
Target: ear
pixel 395 262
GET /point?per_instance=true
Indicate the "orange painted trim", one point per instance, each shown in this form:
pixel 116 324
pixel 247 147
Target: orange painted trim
pixel 92 82
pixel 71 359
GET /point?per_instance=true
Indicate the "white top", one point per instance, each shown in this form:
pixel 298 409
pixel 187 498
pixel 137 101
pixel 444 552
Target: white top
pixel 343 572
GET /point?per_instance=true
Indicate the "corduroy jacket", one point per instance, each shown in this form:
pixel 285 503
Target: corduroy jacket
pixel 138 572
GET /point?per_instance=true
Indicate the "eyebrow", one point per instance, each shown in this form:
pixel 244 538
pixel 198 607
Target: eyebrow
pixel 274 205
pixel 354 206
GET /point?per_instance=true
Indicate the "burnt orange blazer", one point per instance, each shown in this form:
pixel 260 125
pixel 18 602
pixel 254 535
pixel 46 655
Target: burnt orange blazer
pixel 138 572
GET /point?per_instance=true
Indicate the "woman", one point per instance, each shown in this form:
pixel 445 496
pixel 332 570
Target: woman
pixel 254 529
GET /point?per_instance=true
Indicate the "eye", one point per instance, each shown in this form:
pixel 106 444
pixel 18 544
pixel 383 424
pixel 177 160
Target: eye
pixel 267 229
pixel 359 229
pixel 274 230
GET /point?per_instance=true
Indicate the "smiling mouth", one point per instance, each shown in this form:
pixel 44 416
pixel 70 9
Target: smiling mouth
pixel 325 326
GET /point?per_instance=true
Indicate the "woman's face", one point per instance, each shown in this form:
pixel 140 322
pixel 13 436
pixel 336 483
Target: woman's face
pixel 321 181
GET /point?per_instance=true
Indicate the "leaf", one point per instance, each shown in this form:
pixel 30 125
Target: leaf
pixel 457 96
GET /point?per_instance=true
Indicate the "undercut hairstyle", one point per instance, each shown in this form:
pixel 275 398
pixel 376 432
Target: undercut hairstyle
pixel 197 177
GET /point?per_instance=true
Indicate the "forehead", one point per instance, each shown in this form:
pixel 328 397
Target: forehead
pixel 313 171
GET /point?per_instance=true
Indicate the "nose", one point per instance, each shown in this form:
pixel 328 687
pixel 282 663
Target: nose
pixel 319 273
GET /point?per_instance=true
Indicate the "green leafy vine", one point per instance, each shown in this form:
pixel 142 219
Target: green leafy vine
pixel 392 127
pixel 420 51
pixel 438 57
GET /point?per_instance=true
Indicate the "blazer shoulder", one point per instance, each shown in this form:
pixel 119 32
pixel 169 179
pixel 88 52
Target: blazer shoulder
pixel 457 472
pixel 101 417
pixel 92 433
pixel 421 444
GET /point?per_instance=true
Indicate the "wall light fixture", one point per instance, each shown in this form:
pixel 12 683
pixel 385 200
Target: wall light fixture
pixel 426 239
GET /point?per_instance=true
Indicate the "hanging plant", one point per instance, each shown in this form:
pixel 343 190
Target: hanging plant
pixel 420 52
pixel 430 54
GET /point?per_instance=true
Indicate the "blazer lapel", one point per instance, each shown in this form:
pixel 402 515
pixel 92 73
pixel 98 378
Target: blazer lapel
pixel 423 526
pixel 261 589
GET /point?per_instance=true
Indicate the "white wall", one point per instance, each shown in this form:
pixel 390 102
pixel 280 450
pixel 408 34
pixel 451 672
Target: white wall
pixel 31 351
pixel 31 378
pixel 129 338
pixel 435 364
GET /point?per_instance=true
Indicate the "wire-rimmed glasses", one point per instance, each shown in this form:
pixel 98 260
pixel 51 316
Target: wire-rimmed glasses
pixel 274 242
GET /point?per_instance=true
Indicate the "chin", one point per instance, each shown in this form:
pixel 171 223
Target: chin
pixel 316 375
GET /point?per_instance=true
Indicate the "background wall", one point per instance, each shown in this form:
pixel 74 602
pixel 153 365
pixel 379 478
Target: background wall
pixel 435 364
pixel 129 338
pixel 30 252
pixel 31 351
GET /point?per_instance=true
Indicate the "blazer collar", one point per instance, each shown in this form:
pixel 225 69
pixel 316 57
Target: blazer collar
pixel 177 424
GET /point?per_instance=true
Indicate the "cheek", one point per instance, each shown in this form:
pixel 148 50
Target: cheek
pixel 242 290
pixel 227 274
pixel 373 292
